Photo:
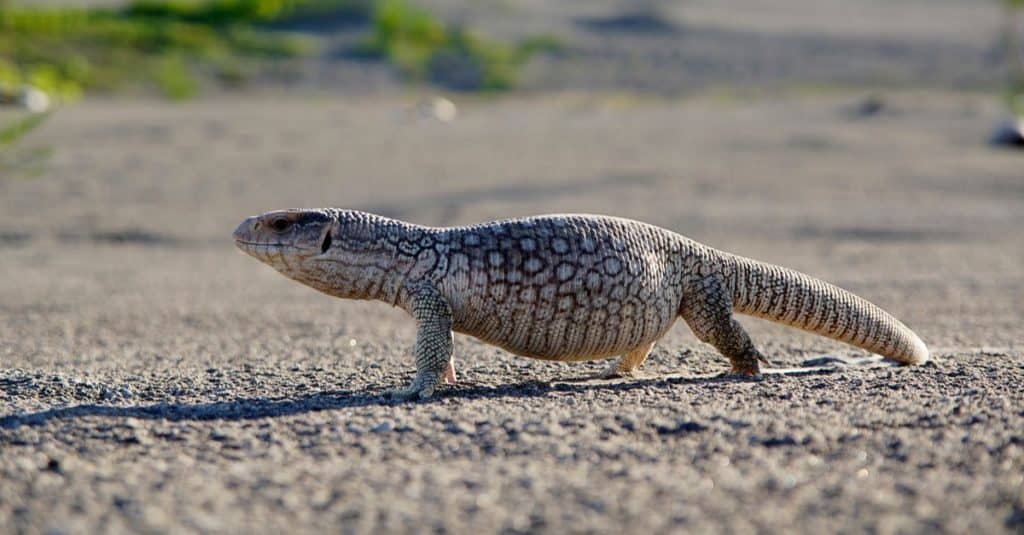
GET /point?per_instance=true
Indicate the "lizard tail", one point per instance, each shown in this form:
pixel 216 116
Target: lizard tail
pixel 792 298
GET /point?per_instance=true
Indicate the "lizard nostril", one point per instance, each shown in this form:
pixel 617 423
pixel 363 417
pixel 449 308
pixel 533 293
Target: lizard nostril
pixel 256 225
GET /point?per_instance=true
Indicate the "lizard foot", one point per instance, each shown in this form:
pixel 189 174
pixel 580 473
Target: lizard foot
pixel 746 374
pixel 414 391
pixel 615 373
pixel 749 371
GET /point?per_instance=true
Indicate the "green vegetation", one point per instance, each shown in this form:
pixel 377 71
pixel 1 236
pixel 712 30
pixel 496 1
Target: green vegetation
pixel 233 12
pixel 66 51
pixel 423 48
pixel 16 130
pixel 13 160
pixel 175 45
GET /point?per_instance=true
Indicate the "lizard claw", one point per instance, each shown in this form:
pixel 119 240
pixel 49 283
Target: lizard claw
pixel 423 385
pixel 416 390
pixel 743 375
pixel 449 373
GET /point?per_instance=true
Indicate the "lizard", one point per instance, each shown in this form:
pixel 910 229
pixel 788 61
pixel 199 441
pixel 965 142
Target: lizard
pixel 566 287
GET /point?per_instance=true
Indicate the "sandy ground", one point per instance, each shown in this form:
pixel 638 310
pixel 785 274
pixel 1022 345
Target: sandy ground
pixel 153 379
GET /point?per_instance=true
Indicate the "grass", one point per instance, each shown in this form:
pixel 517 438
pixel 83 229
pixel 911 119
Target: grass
pixel 14 161
pixel 425 49
pixel 175 46
pixel 160 44
pixel 17 129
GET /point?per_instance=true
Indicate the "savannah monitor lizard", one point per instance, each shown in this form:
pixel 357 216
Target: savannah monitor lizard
pixel 560 287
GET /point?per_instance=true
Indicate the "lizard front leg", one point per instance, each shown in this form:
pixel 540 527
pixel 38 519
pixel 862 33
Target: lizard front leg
pixel 433 350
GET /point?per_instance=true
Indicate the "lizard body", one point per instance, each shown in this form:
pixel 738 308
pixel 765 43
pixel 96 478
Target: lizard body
pixel 560 287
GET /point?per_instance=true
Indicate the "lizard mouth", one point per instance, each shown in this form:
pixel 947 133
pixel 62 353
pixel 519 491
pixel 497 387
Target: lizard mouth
pixel 259 248
pixel 260 244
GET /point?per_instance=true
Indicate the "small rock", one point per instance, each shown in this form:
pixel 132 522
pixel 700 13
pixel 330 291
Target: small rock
pixel 29 97
pixel 34 99
pixel 437 108
pixel 778 441
pixel 460 428
pixel 669 427
pixel 53 465
pixel 869 107
pixel 826 360
pixel 1009 133
pixel 386 426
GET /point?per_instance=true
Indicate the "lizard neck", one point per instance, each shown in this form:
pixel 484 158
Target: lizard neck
pixel 378 258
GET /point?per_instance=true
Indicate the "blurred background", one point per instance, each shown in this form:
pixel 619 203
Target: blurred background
pixel 173 384
pixel 433 60
pixel 183 48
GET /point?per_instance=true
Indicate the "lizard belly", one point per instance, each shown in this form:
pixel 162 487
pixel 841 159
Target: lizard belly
pixel 545 324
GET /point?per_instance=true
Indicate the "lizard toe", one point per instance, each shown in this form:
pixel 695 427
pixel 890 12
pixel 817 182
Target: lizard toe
pixel 745 374
pixel 413 391
pixel 401 394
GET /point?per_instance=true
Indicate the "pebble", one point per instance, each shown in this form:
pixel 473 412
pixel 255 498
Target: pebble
pixel 384 427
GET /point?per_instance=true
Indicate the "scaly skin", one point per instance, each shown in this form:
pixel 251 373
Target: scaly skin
pixel 560 287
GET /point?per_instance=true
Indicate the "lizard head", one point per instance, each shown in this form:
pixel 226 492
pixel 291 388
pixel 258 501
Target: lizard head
pixel 344 253
pixel 290 241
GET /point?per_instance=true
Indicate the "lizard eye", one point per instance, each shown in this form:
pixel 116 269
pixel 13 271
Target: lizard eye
pixel 280 224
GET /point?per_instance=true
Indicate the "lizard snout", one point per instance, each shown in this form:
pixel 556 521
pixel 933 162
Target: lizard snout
pixel 246 230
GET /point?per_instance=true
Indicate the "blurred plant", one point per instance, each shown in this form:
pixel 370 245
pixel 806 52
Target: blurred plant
pixel 165 43
pixel 227 12
pixel 17 129
pixel 425 49
pixel 65 51
pixel 14 160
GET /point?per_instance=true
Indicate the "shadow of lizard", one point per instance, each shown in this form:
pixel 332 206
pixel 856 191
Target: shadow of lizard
pixel 257 408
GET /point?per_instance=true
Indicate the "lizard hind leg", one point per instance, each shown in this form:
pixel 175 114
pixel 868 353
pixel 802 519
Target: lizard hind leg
pixel 627 364
pixel 708 312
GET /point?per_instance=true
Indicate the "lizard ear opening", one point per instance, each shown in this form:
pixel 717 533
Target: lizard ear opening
pixel 327 242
